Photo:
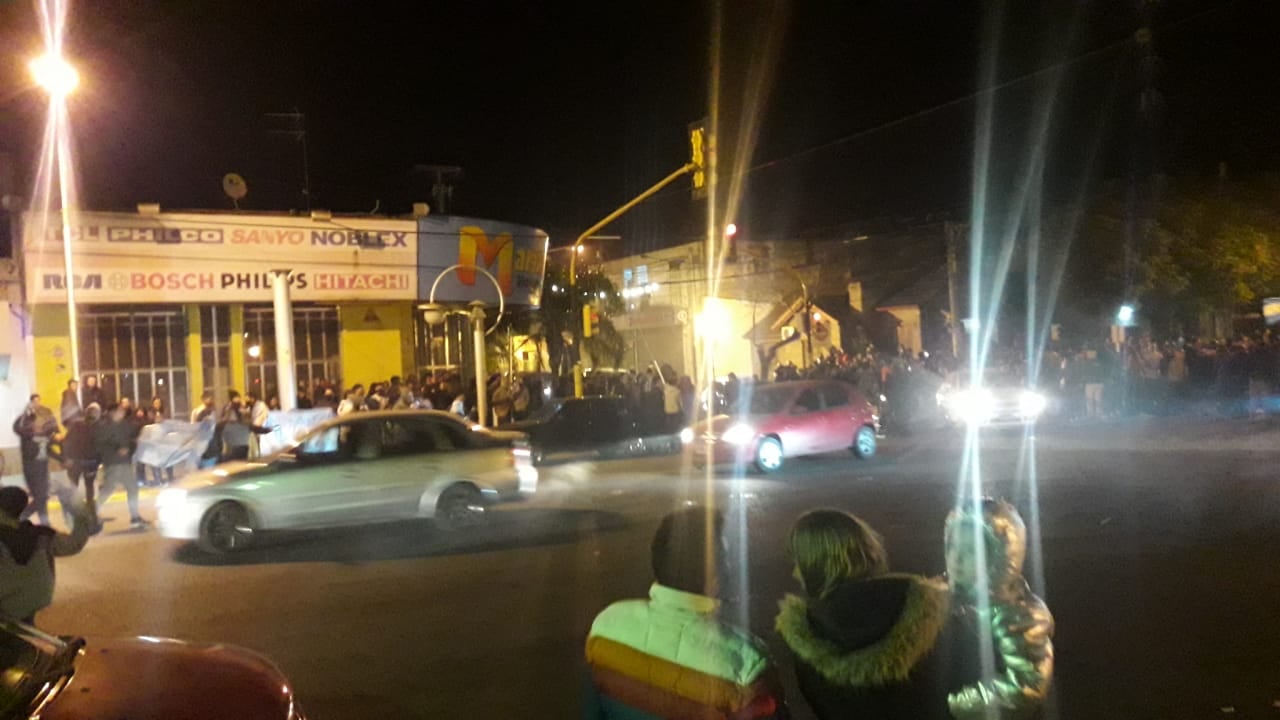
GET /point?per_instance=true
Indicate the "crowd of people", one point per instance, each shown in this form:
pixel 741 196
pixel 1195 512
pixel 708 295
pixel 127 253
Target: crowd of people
pixel 1091 380
pixel 660 399
pixel 866 642
pixel 1230 377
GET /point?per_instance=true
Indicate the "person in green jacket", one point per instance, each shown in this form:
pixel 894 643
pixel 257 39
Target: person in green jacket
pixel 671 656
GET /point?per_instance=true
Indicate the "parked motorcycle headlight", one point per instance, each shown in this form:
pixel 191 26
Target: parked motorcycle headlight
pixel 1031 404
pixel 686 436
pixel 738 434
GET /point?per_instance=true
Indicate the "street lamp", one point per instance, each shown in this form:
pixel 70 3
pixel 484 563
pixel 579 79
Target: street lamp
pixel 53 73
pixel 577 249
pixel 59 78
pixel 434 314
pixel 1124 316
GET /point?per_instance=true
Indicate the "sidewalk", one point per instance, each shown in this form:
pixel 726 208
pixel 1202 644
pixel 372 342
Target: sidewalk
pixel 117 499
pixel 1183 433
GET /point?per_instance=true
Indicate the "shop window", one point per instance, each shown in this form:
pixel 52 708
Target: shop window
pixel 138 356
pixel 315 347
pixel 215 349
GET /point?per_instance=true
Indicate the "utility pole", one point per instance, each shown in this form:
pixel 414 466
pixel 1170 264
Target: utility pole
pixel 951 230
pixel 286 372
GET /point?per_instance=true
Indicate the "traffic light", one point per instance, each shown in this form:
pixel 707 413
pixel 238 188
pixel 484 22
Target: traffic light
pixel 698 151
pixel 590 320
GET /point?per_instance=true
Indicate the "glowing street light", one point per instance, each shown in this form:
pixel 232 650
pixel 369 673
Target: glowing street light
pixel 1124 316
pixel 53 73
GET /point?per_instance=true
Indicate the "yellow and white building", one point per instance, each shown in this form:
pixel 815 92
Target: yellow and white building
pixel 171 304
pixel 762 287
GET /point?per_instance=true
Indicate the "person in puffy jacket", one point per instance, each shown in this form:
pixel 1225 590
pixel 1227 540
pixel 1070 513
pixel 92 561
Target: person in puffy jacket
pixel 671 656
pixel 1004 630
pixel 867 642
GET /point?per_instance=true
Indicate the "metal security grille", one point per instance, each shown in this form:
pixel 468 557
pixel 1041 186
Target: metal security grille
pixel 138 355
pixel 315 347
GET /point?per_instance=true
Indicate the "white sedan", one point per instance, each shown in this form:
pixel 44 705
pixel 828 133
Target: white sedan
pixel 360 468
pixel 1001 399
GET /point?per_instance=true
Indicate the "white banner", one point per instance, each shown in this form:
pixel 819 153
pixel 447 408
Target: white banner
pixel 287 428
pixel 169 443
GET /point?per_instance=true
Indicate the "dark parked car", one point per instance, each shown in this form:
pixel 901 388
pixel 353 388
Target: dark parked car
pixel 42 676
pixel 598 426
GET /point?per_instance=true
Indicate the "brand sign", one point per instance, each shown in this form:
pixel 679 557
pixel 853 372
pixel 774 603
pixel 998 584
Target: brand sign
pixel 179 258
pixel 515 255
pixel 122 258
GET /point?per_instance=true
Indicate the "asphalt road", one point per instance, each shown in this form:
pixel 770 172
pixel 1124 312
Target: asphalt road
pixel 1155 547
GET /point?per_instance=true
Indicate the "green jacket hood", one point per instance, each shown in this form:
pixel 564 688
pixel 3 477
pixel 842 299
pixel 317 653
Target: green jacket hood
pixel 892 657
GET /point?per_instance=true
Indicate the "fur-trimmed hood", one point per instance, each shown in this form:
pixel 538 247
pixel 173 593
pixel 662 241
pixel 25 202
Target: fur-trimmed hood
pixel 867 633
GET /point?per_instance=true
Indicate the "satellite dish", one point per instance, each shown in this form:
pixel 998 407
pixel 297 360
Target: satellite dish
pixel 235 187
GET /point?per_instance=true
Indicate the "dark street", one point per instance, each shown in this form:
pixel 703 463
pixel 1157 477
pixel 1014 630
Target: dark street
pixel 1157 562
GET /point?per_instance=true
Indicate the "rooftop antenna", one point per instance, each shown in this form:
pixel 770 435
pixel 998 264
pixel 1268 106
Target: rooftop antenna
pixel 442 186
pixel 294 125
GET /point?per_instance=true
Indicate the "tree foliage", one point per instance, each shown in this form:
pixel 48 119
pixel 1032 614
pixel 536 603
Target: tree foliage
pixel 561 311
pixel 1180 248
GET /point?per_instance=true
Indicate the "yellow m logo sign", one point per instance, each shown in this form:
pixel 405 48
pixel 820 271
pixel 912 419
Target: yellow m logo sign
pixel 475 248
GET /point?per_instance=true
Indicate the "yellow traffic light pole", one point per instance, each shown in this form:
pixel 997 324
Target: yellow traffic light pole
pixel 573 254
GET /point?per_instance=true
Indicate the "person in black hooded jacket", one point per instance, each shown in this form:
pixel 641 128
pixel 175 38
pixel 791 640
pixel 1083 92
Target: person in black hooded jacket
pixel 866 642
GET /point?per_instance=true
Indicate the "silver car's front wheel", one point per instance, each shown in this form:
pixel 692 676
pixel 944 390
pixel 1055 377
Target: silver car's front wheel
pixel 226 527
pixel 460 507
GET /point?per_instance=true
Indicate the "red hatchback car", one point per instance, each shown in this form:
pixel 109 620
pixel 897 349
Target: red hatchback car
pixel 784 420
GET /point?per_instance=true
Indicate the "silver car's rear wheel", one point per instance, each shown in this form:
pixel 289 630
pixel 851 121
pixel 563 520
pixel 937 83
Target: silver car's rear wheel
pixel 226 527
pixel 460 507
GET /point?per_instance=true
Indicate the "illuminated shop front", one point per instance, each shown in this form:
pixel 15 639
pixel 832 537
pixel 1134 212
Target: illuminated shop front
pixel 170 304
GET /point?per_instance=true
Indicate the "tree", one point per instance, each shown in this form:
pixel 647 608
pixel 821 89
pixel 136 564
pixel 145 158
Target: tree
pixel 561 312
pixel 1182 249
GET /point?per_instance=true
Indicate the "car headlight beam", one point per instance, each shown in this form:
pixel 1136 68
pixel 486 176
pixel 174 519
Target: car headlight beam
pixel 739 434
pixel 975 405
pixel 686 436
pixel 1031 404
pixel 171 497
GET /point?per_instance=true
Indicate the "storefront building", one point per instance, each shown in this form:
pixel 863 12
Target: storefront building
pixel 172 304
pixel 760 306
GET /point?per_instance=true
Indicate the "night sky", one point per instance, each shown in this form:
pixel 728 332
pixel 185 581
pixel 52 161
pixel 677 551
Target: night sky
pixel 559 111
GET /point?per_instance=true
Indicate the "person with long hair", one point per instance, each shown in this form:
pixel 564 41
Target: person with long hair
pixel 866 641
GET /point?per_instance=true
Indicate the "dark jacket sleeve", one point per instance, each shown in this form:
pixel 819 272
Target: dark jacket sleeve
pixel 63 544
